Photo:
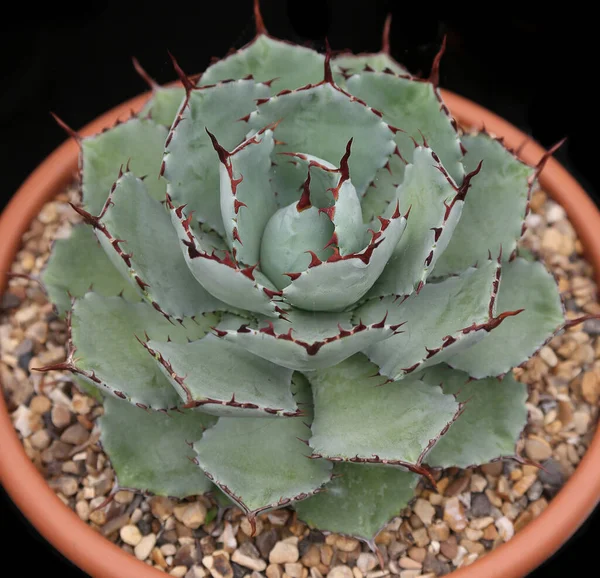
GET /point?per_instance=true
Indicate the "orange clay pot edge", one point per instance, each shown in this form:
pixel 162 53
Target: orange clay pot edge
pixel 100 558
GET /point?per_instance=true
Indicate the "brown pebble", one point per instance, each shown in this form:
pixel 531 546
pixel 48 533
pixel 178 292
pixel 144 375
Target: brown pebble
pixel 158 558
pixel 191 514
pixel 537 448
pixel 326 554
pixel 522 520
pixel 60 415
pixel 424 510
pixel 161 507
pixel 312 557
pixel 490 533
pixel 421 537
pixel 523 485
pixel 75 434
pixel 492 469
pixel 40 439
pixel 115 524
pixel 40 404
pixel 345 543
pixel 67 485
pixel 439 531
pixel 458 485
pixel 590 387
pixel 449 548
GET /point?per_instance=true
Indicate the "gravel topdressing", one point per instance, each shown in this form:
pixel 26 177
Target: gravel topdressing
pixel 469 513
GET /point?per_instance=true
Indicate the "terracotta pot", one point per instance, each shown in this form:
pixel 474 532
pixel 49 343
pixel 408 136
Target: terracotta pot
pixel 100 558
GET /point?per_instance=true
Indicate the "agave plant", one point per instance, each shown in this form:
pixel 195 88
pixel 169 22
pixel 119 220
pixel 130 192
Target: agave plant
pixel 297 280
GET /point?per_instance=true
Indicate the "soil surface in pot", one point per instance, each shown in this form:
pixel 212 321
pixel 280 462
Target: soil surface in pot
pixel 470 513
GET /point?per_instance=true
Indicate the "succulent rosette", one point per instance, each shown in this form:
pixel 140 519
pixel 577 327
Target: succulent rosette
pixel 297 280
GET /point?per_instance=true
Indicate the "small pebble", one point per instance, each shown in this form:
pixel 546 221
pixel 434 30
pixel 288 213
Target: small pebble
pixel 537 449
pixel 284 553
pixel 340 572
pixel 130 535
pixel 454 515
pixel 505 527
pixel 145 546
pixel 424 510
pixel 248 562
pixel 191 514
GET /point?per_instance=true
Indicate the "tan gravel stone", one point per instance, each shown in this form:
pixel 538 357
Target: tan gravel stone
pixel 439 531
pixel 249 562
pixel 274 571
pixel 284 553
pixel 312 556
pixel 345 543
pixel 130 534
pixel 340 572
pixel 366 562
pixel 145 547
pixel 537 449
pixel 505 528
pixel 294 569
pixel 40 404
pixel 161 507
pixel 424 510
pixel 191 514
pixel 409 563
pixel 590 387
pixel 60 415
pixel 454 514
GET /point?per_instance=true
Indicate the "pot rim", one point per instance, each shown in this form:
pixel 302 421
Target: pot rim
pixel 99 557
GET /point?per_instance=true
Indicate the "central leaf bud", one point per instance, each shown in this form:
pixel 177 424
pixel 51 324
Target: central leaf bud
pixel 288 237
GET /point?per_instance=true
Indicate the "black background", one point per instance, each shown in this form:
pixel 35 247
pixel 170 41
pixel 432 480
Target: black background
pixel 537 70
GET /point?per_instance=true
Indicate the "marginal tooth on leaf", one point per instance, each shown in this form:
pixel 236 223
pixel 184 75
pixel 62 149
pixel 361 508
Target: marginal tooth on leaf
pixel 223 154
pixel 385 39
pixel 344 170
pixel 87 217
pixel 269 330
pixel 381 324
pixel 60 366
pixel 185 80
pixel 327 74
pixel 397 211
pixel 329 211
pixel 293 276
pixel 314 260
pixel 72 133
pixel 434 76
pixel 542 162
pixel 270 293
pixel 258 19
pixel 142 284
pixel 332 242
pixel 437 231
pixel 249 272
pixel 144 75
pixel 237 205
pixel 399 155
pixel 573 322
pixel 236 236
pixel 304 202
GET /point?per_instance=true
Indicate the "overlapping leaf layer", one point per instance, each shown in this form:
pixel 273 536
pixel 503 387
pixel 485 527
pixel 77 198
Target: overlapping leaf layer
pixel 303 258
